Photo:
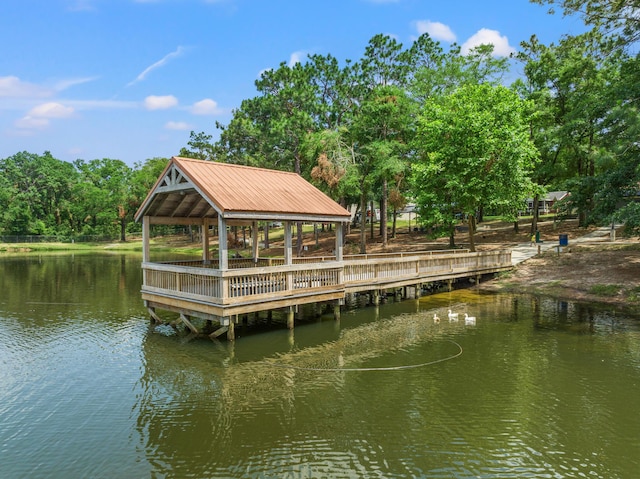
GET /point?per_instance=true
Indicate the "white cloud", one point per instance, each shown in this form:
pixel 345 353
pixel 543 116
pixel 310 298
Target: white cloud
pixel 485 36
pixel 51 110
pixel 163 61
pixel 30 123
pixel 205 107
pixel 153 102
pixel 13 87
pixel 297 57
pixel 436 30
pixel 39 117
pixel 177 125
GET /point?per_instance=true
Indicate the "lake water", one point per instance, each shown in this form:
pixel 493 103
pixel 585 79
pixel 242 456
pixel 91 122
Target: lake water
pixel 538 388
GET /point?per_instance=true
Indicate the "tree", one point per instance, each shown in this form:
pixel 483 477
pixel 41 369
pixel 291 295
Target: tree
pixel 143 176
pixel 104 189
pixel 382 131
pixel 616 18
pixel 201 147
pixel 38 193
pixel 473 149
pixel 571 87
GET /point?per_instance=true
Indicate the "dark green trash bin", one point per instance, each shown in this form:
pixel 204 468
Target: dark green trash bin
pixel 564 240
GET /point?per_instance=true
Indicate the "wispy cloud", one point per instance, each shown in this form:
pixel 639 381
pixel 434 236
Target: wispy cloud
pixel 436 30
pixel 81 5
pixel 160 63
pixel 71 82
pixel 102 104
pixel 153 102
pixel 177 125
pixel 485 36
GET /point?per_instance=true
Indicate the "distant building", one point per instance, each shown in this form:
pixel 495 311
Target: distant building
pixel 546 203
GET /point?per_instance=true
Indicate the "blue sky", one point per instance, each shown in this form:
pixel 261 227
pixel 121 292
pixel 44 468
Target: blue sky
pixel 129 79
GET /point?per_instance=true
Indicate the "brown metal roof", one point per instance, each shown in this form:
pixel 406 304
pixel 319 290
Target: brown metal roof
pixel 196 189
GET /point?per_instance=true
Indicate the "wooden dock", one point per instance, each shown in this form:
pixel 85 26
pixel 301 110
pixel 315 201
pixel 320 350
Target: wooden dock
pixel 215 197
pixel 198 289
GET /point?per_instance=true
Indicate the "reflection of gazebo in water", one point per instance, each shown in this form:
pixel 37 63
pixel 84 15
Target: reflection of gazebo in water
pixel 216 196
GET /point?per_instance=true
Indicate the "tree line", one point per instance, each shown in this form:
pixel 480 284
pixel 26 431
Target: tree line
pixel 420 124
pixel 41 195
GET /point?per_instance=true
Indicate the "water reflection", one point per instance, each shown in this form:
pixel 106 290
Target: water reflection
pixel 501 410
pixel 88 389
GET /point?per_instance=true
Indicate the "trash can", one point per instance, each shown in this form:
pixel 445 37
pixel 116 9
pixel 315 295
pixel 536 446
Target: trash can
pixel 538 236
pixel 564 240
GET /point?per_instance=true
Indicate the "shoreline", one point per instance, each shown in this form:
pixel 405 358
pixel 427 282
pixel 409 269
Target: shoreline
pixel 606 273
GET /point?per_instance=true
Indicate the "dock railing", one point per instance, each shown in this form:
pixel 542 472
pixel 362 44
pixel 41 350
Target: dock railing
pixel 269 279
pixel 244 284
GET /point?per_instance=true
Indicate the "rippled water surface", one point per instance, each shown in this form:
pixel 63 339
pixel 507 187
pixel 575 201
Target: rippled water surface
pixel 536 388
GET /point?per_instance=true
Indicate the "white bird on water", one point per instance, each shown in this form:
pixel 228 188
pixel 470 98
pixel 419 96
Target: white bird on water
pixel 469 319
pixel 436 319
pixel 453 316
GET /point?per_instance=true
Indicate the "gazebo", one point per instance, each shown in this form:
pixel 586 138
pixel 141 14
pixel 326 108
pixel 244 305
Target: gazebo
pixel 219 195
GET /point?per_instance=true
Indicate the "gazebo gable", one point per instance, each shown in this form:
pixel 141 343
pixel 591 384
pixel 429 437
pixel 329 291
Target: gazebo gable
pixel 190 188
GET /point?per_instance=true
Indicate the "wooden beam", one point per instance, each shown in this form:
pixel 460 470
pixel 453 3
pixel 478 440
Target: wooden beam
pixel 205 241
pixel 223 255
pixel 339 241
pixel 254 240
pixel 188 323
pixel 165 220
pixel 219 332
pixel 145 239
pixel 288 252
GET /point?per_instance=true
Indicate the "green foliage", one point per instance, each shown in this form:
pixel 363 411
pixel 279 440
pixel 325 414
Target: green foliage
pixel 472 150
pixel 620 17
pixel 40 195
pixel 630 216
pixel 606 290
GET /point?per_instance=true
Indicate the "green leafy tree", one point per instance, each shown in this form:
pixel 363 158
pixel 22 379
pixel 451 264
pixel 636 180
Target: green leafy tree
pixel 143 177
pixel 473 150
pixel 382 130
pixel 617 19
pixel 38 193
pixel 571 87
pixel 105 190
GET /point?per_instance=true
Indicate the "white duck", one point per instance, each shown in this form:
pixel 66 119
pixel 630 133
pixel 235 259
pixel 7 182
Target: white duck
pixel 436 319
pixel 469 319
pixel 453 316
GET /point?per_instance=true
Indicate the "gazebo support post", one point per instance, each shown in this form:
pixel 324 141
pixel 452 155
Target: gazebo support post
pixel 290 317
pixel 288 249
pixel 145 239
pixel 288 253
pixel 339 241
pixel 206 255
pixel 254 241
pixel 223 256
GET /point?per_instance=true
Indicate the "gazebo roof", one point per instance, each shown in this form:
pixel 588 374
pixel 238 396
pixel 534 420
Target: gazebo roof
pixel 189 188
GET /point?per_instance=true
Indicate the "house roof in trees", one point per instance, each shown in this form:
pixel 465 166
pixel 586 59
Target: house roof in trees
pixel 189 188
